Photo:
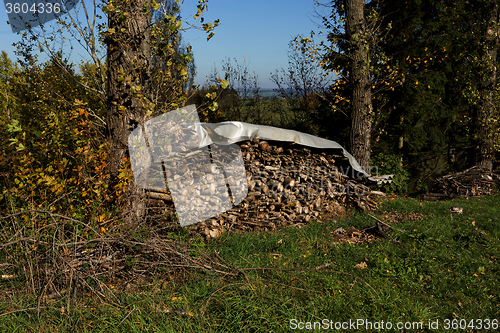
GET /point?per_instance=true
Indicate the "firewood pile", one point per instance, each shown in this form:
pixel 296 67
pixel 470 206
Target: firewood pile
pixel 288 184
pixel 472 182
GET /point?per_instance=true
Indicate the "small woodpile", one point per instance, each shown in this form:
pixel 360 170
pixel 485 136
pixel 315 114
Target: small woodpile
pixel 472 182
pixel 288 184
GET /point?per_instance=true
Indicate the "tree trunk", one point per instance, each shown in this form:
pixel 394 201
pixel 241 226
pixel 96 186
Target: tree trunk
pixel 362 109
pixel 484 111
pixel 128 47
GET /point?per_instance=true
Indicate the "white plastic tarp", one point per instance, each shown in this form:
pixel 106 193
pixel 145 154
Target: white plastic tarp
pixel 234 131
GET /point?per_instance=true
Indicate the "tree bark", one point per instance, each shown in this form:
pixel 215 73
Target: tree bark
pixel 129 80
pixel 362 109
pixel 484 111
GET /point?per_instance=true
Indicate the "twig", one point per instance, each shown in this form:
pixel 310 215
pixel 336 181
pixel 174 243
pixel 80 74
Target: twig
pixel 308 270
pixel 62 196
pixel 211 295
pixel 28 309
pixel 236 268
pixel 52 215
pixel 386 224
pixel 287 285
pixel 54 294
pixel 130 312
pixel 180 312
pixel 308 291
pixel 21 240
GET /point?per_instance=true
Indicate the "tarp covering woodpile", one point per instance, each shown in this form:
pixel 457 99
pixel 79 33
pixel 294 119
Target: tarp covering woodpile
pixel 288 177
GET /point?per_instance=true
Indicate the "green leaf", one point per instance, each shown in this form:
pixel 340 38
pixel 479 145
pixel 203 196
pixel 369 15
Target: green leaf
pixel 156 5
pixel 121 78
pixel 14 126
pixel 214 106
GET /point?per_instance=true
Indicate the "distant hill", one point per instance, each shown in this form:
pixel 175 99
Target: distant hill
pixel 268 93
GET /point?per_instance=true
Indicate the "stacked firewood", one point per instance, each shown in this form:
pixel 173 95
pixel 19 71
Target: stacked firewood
pixel 288 184
pixel 472 182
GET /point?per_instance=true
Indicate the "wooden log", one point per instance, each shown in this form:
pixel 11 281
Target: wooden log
pixel 263 145
pixel 159 196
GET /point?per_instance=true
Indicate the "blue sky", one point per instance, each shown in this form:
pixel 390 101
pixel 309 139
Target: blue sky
pixel 257 31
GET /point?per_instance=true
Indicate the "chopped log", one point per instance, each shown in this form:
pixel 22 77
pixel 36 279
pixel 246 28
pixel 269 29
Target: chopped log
pixel 159 196
pixel 263 145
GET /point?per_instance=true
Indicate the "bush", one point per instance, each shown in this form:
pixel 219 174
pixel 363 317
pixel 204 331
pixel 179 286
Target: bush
pixel 388 165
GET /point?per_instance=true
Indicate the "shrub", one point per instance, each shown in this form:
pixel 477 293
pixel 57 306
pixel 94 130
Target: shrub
pixel 388 165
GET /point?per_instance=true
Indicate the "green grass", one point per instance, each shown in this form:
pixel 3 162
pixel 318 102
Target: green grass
pixel 443 267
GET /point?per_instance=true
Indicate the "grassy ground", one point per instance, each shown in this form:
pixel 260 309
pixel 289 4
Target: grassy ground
pixel 439 269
